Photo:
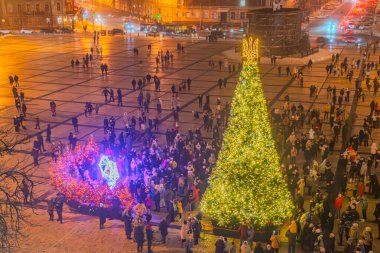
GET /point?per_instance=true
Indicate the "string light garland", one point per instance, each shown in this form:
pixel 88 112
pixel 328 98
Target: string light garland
pixel 64 176
pixel 247 184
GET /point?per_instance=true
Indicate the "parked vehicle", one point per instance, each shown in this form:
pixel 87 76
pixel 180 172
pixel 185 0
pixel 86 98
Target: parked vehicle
pixel 153 33
pixel 47 30
pixel 349 40
pixel 65 30
pixel 4 31
pixel 26 31
pixel 115 31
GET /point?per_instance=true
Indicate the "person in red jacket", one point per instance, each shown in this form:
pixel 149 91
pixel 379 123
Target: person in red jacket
pixel 194 198
pixel 338 204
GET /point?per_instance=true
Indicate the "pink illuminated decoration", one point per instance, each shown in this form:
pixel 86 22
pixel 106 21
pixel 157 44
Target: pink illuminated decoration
pixel 75 176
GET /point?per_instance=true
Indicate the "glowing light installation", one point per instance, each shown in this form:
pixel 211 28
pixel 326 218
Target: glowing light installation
pixel 247 184
pixel 89 192
pixel 109 171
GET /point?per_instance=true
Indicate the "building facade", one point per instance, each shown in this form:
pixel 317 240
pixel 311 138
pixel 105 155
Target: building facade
pixel 190 11
pixel 37 14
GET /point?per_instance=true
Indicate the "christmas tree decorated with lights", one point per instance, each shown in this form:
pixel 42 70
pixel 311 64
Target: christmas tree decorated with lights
pixel 247 184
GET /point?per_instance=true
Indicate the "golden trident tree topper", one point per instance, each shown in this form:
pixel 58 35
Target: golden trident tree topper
pixel 250 49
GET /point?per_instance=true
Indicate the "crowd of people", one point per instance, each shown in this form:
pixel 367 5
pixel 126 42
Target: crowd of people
pixel 172 176
pixel 165 177
pixel 306 145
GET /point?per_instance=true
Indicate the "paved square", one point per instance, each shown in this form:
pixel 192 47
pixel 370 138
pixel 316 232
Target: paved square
pixel 43 65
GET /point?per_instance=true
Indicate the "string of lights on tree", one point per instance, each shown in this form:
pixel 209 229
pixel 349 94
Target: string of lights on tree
pixel 247 184
pixel 65 178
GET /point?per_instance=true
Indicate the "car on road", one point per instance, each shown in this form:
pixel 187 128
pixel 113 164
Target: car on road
pixel 348 32
pixel 349 40
pixel 115 31
pixel 153 33
pixel 26 31
pixel 4 31
pixel 47 30
pixel 65 30
pixel 321 40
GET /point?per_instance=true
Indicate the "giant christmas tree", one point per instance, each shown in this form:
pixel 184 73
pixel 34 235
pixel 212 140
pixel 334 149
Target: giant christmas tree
pixel 247 184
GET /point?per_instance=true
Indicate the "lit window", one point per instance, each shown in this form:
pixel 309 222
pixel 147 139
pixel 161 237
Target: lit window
pixel 242 3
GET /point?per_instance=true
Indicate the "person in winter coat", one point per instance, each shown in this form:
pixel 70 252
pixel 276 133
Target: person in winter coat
pixel 350 246
pixel 292 237
pixel 275 242
pixel 183 232
pixel 149 236
pixel 376 213
pixel 139 237
pixel 354 233
pixel 233 248
pixel 373 150
pixel 243 232
pixel 102 216
pixel 360 247
pixel 338 204
pixel 51 205
pixel 127 218
pixel 163 227
pixel 219 245
pixel 258 248
pixel 367 239
pixel 245 248
pixel 364 206
pixel 330 244
pixel 268 249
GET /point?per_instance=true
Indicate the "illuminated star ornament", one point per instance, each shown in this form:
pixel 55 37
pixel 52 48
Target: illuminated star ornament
pixel 250 49
pixel 109 171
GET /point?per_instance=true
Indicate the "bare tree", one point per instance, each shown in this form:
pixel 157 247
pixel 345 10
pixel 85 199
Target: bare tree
pixel 12 215
pixel 16 188
pixel 8 140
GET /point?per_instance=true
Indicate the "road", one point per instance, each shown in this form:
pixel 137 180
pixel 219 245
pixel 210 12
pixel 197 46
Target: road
pixel 326 27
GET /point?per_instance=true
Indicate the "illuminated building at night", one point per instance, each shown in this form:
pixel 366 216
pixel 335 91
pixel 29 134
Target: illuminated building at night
pixel 191 11
pixel 37 13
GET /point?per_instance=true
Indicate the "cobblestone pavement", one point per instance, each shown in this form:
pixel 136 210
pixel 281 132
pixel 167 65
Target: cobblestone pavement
pixel 43 65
